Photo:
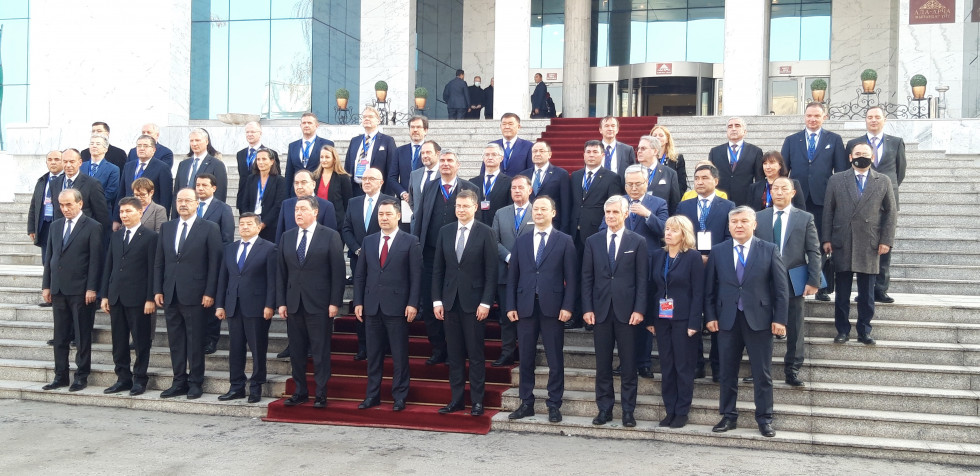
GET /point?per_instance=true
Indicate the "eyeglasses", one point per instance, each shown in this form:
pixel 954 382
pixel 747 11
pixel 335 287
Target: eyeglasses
pixel 634 184
pixel 370 179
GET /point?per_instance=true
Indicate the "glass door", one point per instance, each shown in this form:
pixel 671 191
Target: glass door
pixel 784 96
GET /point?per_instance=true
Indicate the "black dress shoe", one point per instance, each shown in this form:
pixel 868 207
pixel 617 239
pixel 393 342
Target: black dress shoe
pixel 572 324
pixel 254 397
pixel 748 379
pixel 884 297
pixel 118 387
pixel 602 418
pixel 645 372
pixel 793 380
pixel 320 402
pixel 477 409
pixel 452 407
pixel 822 296
pixel 724 425
pixel 211 348
pixel 360 355
pixel 766 430
pixel 525 410
pixel 841 338
pixel 194 392
pixel 77 385
pixel 296 400
pixel 866 340
pixel 44 304
pixel 55 384
pixel 73 343
pixel 173 391
pixel 666 421
pixel 369 403
pixel 284 354
pixel 503 361
pixel 436 360
pixel 132 345
pixel 232 395
pixel 554 414
pixel 398 406
pixel 50 341
pixel 699 373
pixel 618 370
pixel 628 420
pixel 137 389
pixel 589 327
pixel 679 421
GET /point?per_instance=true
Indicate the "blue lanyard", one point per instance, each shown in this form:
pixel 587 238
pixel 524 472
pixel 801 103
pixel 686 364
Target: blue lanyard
pixel 519 219
pixel 445 194
pixel 609 155
pixel 366 143
pixel 262 187
pixel 768 200
pixel 488 186
pixel 663 160
pixel 741 257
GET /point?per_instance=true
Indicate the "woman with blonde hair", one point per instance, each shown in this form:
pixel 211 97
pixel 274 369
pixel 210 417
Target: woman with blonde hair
pixel 669 156
pixel 332 181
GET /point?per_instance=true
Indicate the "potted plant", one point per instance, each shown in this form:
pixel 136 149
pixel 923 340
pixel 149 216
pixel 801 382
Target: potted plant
pixel 343 96
pixel 868 78
pixel 918 83
pixel 818 88
pixel 381 90
pixel 420 95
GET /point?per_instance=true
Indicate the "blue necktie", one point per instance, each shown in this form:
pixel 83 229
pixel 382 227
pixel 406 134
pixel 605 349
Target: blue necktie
pixel 518 218
pixel 539 256
pixel 367 213
pixel 139 173
pixel 200 210
pixel 608 163
pixel 64 239
pixel 191 180
pixel 415 157
pixel 704 213
pixel 537 181
pixel 860 184
pixel 740 271
pixel 506 155
pixel 250 158
pixel 68 183
pixel 612 252
pixel 241 258
pixel 93 169
pixel 588 182
pixel 301 249
pixel 306 153
pixel 811 146
pixel 733 156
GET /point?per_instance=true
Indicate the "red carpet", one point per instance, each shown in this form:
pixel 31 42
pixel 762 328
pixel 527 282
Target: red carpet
pixel 428 390
pixel 567 137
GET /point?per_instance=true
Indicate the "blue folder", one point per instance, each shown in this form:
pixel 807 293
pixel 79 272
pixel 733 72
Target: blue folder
pixel 798 277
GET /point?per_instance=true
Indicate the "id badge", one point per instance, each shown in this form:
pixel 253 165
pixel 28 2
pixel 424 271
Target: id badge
pixel 667 308
pixel 704 241
pixel 485 205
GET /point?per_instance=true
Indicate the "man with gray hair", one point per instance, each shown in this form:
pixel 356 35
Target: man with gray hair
pixel 113 154
pixel 493 184
pixel 739 163
pixel 246 156
pixel 661 180
pixel 201 161
pixel 162 153
pixel 102 170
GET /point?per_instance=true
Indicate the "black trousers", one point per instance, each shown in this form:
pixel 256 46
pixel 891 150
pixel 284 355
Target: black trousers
pixel 42 238
pixel 552 333
pixel 383 330
pixel 187 335
pixel 508 330
pixel 793 360
pixel 457 113
pixel 758 344
pixel 712 354
pixel 131 322
pixel 827 265
pixel 213 329
pixel 464 341
pixel 358 325
pixel 884 273
pixel 434 328
pixel 309 333
pixel 865 302
pixel 71 314
pixel 606 335
pixel 678 357
pixel 252 332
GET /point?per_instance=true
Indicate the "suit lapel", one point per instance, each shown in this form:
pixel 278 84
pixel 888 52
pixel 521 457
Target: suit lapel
pixel 750 260
pixel 79 223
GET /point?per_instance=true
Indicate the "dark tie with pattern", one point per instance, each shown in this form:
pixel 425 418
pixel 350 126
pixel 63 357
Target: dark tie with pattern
pixel 612 252
pixel 301 249
pixel 241 257
pixel 740 271
pixel 183 237
pixel 539 256
pixel 384 251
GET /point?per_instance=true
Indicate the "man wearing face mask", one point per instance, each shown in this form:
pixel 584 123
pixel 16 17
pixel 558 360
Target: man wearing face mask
pixel 476 99
pixel 859 208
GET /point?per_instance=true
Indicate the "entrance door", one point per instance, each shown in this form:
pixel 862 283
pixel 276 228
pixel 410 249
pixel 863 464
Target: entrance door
pixel 784 96
pixel 670 96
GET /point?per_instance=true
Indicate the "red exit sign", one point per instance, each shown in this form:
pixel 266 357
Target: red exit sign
pixel 665 68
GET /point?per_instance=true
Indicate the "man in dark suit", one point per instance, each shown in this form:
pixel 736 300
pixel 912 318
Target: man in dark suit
pixel 387 289
pixel 370 150
pixel 199 161
pixel 541 287
pixel 102 170
pixel 464 281
pixel 127 296
pixel 550 180
pixel 745 302
pixel 161 153
pixel 247 302
pixel 739 163
pixel 539 105
pixel 517 151
pixel 113 154
pixel 41 212
pixel 69 282
pixel 304 153
pixel 860 211
pixel 421 177
pixel 488 101
pixel 213 210
pixel 185 282
pixel 616 156
pixel 309 291
pixel 436 210
pixel 477 99
pixel 889 160
pixel 510 222
pixel 456 95
pixel 93 200
pixel 408 158
pixel 246 156
pixel 493 186
pixel 661 180
pixel 794 233
pixel 614 285
pixel 153 169
pixel 303 184
pixel 360 220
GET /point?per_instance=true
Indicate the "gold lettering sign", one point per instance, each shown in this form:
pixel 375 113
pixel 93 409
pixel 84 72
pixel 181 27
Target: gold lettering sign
pixel 923 12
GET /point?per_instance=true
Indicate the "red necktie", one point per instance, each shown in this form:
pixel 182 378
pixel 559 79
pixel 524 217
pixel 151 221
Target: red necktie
pixel 384 251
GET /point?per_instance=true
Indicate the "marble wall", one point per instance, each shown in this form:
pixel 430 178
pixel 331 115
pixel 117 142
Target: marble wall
pixel 746 57
pixel 512 49
pixel 478 40
pixel 386 53
pixel 864 34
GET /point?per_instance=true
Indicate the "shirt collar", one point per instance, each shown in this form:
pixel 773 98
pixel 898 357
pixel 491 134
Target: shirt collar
pixel 745 245
pixel 808 131
pixel 468 225
pixel 73 177
pixel 547 231
pixel 739 144
pixel 189 221
pixel 309 228
pixel 207 202
pixel 543 168
pixel 709 198
pixel 391 236
pixel 880 136
pixel 787 209
pixel 619 233
pixel 587 169
pixel 132 231
pixel 609 144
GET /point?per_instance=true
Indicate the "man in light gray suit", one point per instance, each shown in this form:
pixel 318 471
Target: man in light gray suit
pixel 616 155
pixel 859 210
pixel 429 153
pixel 510 222
pixel 794 232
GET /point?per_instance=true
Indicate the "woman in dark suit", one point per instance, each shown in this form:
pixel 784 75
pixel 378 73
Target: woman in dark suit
pixel 154 214
pixel 675 297
pixel 332 181
pixel 670 157
pixel 773 166
pixel 264 193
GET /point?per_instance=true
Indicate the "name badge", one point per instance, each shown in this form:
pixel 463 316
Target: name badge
pixel 485 205
pixel 704 241
pixel 667 308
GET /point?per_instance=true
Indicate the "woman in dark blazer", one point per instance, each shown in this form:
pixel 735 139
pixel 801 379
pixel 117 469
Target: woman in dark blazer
pixel 670 157
pixel 676 294
pixel 265 182
pixel 773 166
pixel 332 181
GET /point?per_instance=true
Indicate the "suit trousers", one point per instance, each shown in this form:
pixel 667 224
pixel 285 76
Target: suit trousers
pixel 464 340
pixel 508 330
pixel 758 344
pixel 884 273
pixel 644 349
pixel 131 322
pixel 865 302
pixel 213 329
pixel 605 336
pixel 187 335
pixel 42 238
pixel 309 333
pixel 457 113
pixel 678 357
pixel 434 328
pixel 252 332
pixel 72 316
pixel 358 325
pixel 552 333
pixel 383 330
pixel 827 265
pixel 712 354
pixel 793 360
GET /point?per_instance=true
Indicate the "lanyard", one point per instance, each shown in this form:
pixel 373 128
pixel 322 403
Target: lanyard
pixel 262 187
pixel 741 257
pixel 519 219
pixel 663 160
pixel 488 186
pixel 768 200
pixel 667 262
pixel 366 143
pixel 612 151
pixel 446 194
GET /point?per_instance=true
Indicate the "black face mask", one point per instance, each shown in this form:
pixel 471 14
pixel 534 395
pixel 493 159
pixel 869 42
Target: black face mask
pixel 861 162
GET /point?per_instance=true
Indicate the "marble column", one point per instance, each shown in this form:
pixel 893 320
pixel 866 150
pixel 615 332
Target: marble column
pixel 388 51
pixel 864 34
pixel 512 51
pixel 746 57
pixel 575 84
pixel 478 40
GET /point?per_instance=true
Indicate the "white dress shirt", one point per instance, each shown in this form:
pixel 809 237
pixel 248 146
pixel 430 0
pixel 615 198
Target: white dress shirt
pixel 180 227
pixel 309 236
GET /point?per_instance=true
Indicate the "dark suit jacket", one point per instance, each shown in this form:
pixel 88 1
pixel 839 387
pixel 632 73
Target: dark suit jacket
pixel 556 184
pixel 353 231
pixel 242 160
pixel 625 287
pixel 664 185
pixel 488 102
pixel 456 94
pixel 158 173
pixel 400 171
pixel 854 225
pixel 114 155
pixel 339 192
pixel 220 214
pixel 294 158
pixel 892 162
pixel 249 290
pixel 127 277
pixel 749 169
pixel 800 246
pixel 75 269
pixel 209 165
pixel 193 273
pixel 276 191
pixel 625 156
pixel 538 98
pixel 681 169
pixel 318 282
pixel 717 222
pixel 586 212
pixel 828 157
pixel 473 279
pixel 390 288
pixel 36 211
pixel 519 160
pixel 684 284
pixel 555 282
pixel 93 200
pixel 414 195
pixel 764 289
pixel 650 228
pixel 757 195
pixel 326 216
pixel 430 194
pixel 163 154
pixel 383 153
pixel 503 229
pixel 108 176
pixel 499 196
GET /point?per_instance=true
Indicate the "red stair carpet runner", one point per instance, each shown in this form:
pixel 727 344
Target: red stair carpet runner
pixel 428 390
pixel 567 137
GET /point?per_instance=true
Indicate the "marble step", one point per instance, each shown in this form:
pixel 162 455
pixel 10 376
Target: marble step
pixel 935 308
pixel 21 258
pixel 934 257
